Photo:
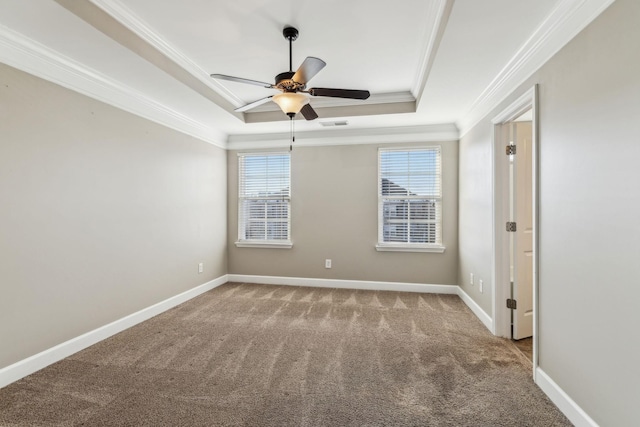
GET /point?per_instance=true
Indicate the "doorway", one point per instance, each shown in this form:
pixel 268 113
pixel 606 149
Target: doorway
pixel 515 222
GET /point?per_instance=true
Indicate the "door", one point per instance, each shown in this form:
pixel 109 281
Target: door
pixel 521 165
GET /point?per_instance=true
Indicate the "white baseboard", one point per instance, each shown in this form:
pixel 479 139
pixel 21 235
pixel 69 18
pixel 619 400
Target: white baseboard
pixel 569 408
pixel 45 358
pixel 371 286
pixel 345 284
pixel 477 310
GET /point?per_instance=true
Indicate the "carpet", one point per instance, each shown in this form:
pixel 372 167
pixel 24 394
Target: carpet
pixel 263 355
pixel 525 346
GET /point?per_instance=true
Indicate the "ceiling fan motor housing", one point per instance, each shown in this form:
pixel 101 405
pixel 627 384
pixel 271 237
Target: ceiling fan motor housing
pixel 285 82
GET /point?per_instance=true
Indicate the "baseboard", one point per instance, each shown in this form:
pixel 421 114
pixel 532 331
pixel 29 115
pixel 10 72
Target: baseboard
pixel 345 284
pixel 371 286
pixel 569 408
pixel 45 358
pixel 476 309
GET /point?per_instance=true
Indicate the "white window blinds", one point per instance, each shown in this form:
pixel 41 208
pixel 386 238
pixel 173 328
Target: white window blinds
pixel 264 197
pixel 410 197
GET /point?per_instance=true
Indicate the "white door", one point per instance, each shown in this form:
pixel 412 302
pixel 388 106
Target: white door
pixel 522 238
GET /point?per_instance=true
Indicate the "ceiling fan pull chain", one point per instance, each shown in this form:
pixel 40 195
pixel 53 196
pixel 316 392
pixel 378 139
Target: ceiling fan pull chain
pixel 293 138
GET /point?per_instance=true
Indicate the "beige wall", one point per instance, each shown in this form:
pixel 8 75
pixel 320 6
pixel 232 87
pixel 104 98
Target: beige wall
pixel 475 218
pixel 589 103
pixel 102 213
pixel 334 215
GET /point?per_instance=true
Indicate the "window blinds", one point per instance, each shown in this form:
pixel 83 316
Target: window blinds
pixel 264 196
pixel 410 196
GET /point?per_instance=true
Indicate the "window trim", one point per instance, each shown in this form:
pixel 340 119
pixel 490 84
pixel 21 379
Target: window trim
pixel 274 244
pixel 263 244
pixel 408 247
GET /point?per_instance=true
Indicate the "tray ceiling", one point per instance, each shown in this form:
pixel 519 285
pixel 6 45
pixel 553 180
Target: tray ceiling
pixel 425 62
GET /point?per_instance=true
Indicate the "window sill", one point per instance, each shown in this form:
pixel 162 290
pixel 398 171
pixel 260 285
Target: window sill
pixel 410 248
pixel 285 244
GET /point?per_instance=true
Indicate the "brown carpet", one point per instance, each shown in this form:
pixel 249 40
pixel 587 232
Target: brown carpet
pixel 525 345
pixel 258 355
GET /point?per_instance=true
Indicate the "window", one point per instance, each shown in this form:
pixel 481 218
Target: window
pixel 410 200
pixel 264 200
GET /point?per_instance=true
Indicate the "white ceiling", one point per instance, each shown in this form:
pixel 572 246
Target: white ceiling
pixel 425 62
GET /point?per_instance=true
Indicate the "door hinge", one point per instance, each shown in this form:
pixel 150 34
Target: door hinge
pixel 511 227
pixel 512 304
pixel 511 149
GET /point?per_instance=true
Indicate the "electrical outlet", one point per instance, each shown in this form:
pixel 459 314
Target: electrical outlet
pixel 200 267
pixel 480 285
pixel 471 279
pixel 327 263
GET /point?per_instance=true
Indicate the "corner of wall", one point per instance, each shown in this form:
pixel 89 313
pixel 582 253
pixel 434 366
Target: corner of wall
pixel 28 366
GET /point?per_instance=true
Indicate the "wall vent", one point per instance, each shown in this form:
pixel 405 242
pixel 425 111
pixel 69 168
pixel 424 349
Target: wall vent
pixel 340 123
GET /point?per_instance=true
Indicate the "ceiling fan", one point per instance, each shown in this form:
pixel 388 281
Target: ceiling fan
pixel 292 85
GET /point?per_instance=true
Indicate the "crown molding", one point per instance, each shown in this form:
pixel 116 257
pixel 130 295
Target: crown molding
pixel 25 54
pixel 388 135
pixel 565 21
pixel 436 19
pixel 126 17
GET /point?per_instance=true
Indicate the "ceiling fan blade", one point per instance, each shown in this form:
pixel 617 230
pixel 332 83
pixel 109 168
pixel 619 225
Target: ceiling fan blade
pixel 340 93
pixel 308 112
pixel 309 68
pixel 253 104
pixel 241 80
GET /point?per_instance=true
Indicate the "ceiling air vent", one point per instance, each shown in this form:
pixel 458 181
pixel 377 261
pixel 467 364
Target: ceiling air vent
pixel 340 123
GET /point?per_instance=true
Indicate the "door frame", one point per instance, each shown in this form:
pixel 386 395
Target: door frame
pixel 500 175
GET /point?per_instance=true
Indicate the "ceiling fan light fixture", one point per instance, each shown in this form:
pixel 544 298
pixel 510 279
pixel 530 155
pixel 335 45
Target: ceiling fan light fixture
pixel 290 102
